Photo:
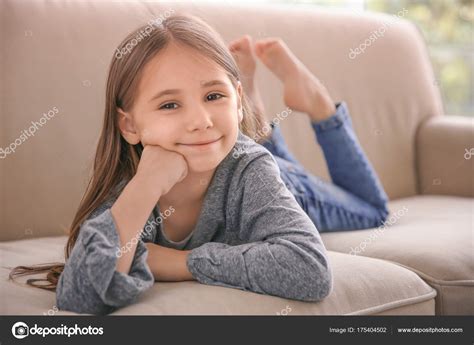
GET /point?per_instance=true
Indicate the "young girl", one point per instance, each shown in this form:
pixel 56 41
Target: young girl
pixel 170 201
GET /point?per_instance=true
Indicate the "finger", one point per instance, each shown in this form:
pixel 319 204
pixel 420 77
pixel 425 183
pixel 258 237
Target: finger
pixel 185 171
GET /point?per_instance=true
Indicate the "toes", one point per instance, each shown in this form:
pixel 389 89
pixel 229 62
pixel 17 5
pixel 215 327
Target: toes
pixel 233 46
pixel 244 43
pixel 267 43
pixel 259 48
pixel 247 41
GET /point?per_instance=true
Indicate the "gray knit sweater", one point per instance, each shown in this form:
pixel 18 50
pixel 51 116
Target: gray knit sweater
pixel 251 235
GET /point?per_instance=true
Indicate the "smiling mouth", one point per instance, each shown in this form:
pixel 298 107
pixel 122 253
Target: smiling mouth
pixel 203 143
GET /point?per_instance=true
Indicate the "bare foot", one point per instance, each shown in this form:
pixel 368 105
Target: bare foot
pixel 302 90
pixel 242 51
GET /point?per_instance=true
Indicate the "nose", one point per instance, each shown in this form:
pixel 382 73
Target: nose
pixel 199 118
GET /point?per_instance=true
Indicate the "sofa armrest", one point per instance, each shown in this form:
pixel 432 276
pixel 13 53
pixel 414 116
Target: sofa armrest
pixel 445 156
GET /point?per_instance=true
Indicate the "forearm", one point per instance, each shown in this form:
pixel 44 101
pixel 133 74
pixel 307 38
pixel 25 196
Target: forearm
pixel 130 213
pixel 168 264
pixel 301 271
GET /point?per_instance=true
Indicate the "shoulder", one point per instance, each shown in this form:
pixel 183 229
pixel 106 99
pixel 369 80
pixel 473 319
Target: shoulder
pixel 249 172
pixel 250 157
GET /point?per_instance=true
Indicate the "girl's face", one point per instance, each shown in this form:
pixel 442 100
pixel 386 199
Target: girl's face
pixel 183 100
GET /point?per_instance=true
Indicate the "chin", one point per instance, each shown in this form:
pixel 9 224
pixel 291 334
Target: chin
pixel 201 165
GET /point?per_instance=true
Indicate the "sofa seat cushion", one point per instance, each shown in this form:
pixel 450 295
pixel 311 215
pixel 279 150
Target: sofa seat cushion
pixel 362 286
pixel 430 235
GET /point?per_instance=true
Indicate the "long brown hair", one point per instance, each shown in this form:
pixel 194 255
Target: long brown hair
pixel 115 159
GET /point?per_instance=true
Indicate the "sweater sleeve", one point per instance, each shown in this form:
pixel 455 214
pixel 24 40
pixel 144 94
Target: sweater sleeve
pixel 89 282
pixel 282 253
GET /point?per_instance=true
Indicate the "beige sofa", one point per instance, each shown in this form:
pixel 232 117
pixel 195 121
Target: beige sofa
pixel 54 57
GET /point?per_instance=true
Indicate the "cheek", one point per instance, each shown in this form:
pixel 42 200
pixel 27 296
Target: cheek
pixel 230 121
pixel 147 137
pixel 154 135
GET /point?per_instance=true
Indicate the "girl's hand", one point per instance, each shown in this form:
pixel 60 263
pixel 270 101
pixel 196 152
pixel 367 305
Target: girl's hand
pixel 168 264
pixel 160 169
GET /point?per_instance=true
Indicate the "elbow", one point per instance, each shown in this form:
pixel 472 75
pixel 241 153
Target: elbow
pixel 318 285
pixel 313 284
pixel 79 297
pixel 83 306
pixel 69 302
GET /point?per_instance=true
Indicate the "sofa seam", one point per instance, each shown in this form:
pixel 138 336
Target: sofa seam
pixel 440 303
pixel 395 304
pixel 433 280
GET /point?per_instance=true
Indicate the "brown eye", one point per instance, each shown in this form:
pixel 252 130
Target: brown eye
pixel 168 106
pixel 212 96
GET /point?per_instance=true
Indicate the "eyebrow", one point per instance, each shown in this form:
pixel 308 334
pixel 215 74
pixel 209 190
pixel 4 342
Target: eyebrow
pixel 176 91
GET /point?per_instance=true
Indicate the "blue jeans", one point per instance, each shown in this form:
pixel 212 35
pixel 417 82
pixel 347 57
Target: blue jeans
pixel 355 199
